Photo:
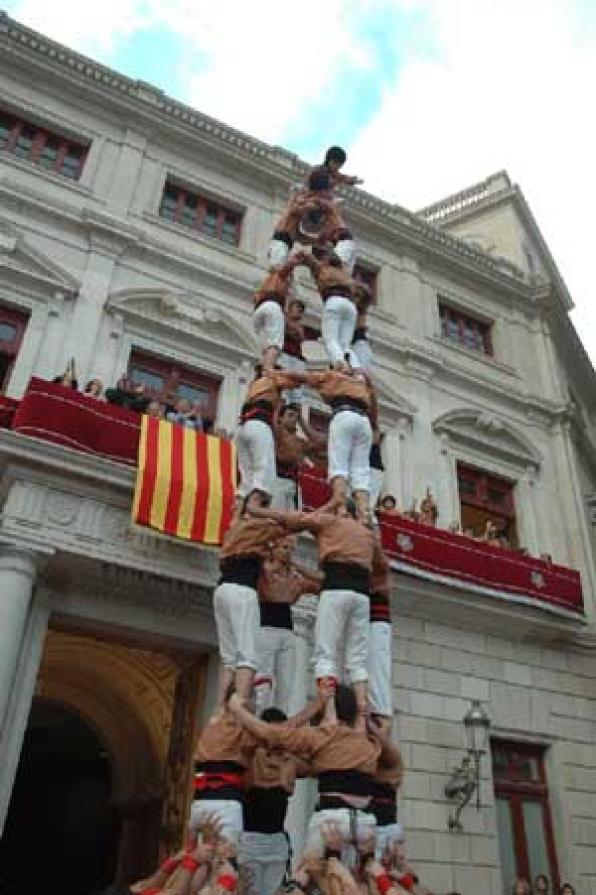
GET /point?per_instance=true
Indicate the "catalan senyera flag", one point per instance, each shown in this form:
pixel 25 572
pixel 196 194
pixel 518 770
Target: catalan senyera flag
pixel 185 482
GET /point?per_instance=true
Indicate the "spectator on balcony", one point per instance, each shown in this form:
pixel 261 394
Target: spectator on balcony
pixel 186 414
pixel 429 510
pixel 541 884
pixel 94 389
pixel 521 886
pixel 68 378
pixel 128 394
pixel 567 889
pixel 155 409
pixel 388 505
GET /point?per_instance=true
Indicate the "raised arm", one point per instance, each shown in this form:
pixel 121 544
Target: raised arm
pixel 301 741
pixel 317 438
pixel 306 714
pixel 312 579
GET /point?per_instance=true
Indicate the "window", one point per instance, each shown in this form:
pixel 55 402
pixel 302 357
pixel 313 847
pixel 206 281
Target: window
pixel 486 498
pixel 166 381
pixel 181 206
pixel 44 147
pixel 12 328
pixel 367 275
pixel 526 842
pixel 465 330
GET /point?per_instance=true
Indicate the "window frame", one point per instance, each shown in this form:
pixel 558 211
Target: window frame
pixel 20 320
pixel 202 203
pixel 486 481
pixel 515 792
pixel 482 328
pixel 41 137
pixel 175 373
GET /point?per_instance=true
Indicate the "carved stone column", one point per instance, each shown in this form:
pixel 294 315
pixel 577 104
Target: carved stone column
pixel 528 513
pixel 17 576
pixel 302 802
pixel 447 492
pixel 22 633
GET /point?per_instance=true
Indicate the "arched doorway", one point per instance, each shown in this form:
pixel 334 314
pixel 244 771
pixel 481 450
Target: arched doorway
pixel 62 833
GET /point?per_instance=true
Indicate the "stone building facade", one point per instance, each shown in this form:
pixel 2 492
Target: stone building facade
pixel 137 230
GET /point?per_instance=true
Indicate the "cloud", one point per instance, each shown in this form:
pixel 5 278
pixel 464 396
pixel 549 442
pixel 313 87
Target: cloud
pixel 503 85
pixel 257 66
pixel 433 95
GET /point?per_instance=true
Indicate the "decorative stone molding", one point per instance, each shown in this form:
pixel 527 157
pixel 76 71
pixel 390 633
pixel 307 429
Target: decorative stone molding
pixel 19 258
pixel 277 164
pixel 492 435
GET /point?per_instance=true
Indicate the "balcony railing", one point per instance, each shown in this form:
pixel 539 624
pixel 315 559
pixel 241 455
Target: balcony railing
pixel 60 415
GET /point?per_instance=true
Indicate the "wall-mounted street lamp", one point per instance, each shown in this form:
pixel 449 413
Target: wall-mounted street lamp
pixel 465 780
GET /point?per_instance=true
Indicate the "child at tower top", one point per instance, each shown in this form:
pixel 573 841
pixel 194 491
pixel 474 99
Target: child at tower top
pixel 312 216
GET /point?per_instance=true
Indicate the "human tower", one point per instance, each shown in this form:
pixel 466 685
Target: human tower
pixel 248 759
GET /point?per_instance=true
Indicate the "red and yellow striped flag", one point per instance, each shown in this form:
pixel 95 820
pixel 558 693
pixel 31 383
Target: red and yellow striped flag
pixel 185 482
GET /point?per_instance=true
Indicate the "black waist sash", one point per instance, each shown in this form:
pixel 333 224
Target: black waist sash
pixel 276 615
pixel 344 403
pixel 344 291
pixel 380 610
pixel 375 460
pixel 359 334
pixel 244 570
pixel 334 784
pixel 265 809
pixel 216 780
pixel 346 576
pixel 257 410
pixel 383 803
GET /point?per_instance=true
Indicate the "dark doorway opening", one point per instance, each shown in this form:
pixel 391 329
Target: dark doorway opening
pixel 61 833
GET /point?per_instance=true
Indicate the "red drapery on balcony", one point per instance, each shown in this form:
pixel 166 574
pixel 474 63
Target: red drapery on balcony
pixel 69 418
pixel 441 554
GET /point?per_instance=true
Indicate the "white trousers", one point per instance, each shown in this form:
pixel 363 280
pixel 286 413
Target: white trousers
pixel 365 824
pixel 263 858
pixel 269 323
pixel 342 624
pixel 256 457
pixel 285 493
pixel 348 449
pixel 228 811
pixel 377 477
pixel 278 253
pixel 337 326
pixel 346 249
pixel 362 352
pixel 276 651
pixel 379 669
pixel 386 837
pixel 295 364
pixel 236 610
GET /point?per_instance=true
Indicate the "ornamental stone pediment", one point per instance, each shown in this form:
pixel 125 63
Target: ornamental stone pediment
pixel 19 259
pixel 186 312
pixel 490 433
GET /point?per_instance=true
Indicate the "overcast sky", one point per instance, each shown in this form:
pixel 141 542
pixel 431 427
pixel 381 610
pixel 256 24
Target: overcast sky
pixel 428 96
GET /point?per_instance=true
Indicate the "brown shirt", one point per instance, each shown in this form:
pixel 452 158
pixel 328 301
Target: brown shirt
pixel 380 576
pixel 328 278
pixel 224 739
pixel 270 386
pixel 276 285
pixel 249 536
pixel 278 584
pixel 391 772
pixel 270 769
pixel 293 338
pixel 328 748
pixel 339 539
pixel 333 385
pixel 290 448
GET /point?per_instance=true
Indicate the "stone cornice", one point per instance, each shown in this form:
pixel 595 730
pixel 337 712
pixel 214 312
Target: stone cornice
pixel 280 166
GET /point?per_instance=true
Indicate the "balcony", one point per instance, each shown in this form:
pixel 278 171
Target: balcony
pixel 432 564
